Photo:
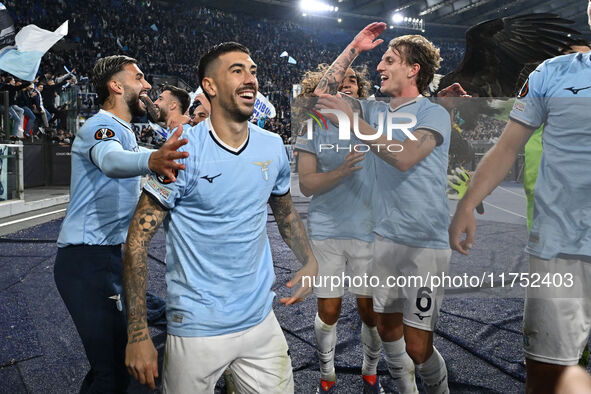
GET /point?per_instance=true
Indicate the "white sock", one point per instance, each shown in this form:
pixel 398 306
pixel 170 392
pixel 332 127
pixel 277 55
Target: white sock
pixel 434 374
pixel 401 366
pixel 372 347
pixel 326 338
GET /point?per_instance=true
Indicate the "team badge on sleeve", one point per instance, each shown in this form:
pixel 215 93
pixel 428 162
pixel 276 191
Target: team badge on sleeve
pixel 524 89
pixel 166 180
pixel 103 134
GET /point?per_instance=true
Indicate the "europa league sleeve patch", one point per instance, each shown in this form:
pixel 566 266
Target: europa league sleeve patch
pixel 104 134
pixel 165 180
pixel 524 90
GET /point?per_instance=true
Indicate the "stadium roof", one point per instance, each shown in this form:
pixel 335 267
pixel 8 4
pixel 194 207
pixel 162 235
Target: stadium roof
pixel 448 18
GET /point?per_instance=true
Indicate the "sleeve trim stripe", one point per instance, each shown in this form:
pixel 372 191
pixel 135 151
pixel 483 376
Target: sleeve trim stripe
pixel 305 150
pixel 522 122
pixel 438 135
pixel 281 194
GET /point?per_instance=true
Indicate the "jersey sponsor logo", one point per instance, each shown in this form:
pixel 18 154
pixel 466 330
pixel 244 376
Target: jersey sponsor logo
pixel 574 90
pixel 524 89
pixel 166 180
pixel 163 191
pixel 264 168
pixel 103 134
pixel 210 179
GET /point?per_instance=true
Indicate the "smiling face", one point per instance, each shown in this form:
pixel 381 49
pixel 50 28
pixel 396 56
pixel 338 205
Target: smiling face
pixel 233 84
pixel 134 84
pixel 349 85
pixel 395 74
pixel 166 103
pixel 199 115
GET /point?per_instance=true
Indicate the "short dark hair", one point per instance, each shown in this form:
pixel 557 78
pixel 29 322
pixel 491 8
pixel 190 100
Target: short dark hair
pixel 215 52
pixel 181 95
pixel 104 69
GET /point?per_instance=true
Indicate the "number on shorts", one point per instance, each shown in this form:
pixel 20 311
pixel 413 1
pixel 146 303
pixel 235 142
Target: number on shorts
pixel 424 292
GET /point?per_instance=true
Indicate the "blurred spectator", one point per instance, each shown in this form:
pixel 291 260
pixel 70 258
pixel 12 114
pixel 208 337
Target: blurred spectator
pixel 150 32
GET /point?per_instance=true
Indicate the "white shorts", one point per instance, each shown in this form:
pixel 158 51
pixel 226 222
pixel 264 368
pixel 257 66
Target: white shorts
pixel 340 258
pixel 557 318
pixel 257 357
pixel 418 302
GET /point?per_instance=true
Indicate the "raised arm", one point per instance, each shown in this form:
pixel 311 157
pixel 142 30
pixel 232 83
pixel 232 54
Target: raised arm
pixel 141 357
pixel 294 234
pixel 365 40
pixel 490 172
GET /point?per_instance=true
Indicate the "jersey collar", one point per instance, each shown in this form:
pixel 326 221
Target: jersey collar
pixel 117 119
pixel 222 144
pixel 415 100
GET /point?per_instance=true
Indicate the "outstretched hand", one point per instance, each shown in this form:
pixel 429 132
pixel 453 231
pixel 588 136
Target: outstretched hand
pixel 366 39
pixel 163 161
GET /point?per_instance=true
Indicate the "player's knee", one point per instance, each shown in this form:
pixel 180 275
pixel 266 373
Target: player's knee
pixel 419 351
pixel 542 377
pixel 389 329
pixel 329 310
pixel 366 313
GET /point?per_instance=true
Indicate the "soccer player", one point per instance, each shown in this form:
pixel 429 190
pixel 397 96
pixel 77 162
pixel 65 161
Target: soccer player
pixel 105 186
pixel 219 266
pixel 201 109
pixel 340 227
pixel 411 209
pixel 533 148
pixel 172 104
pixel 556 318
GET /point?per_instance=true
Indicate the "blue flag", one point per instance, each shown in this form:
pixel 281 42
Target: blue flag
pixel 31 43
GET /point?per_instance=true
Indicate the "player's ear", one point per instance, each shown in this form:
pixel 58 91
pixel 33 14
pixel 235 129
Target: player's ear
pixel 209 86
pixel 414 70
pixel 115 86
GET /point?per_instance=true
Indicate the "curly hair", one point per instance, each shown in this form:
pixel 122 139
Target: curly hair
pixel 416 49
pixel 311 79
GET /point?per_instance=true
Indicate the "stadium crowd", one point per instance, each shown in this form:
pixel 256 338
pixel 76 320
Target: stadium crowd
pixel 152 33
pixel 487 129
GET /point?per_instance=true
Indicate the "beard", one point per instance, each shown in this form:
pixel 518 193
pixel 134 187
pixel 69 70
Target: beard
pixel 162 115
pixel 237 112
pixel 133 102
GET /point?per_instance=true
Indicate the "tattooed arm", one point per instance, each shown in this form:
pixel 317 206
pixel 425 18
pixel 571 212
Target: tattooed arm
pixel 401 154
pixel 363 41
pixel 294 234
pixel 141 358
pixel 408 153
pixel 152 108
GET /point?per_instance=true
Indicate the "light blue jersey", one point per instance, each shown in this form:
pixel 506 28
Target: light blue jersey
pixel 344 212
pixel 558 95
pixel 100 207
pixel 411 207
pixel 219 269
